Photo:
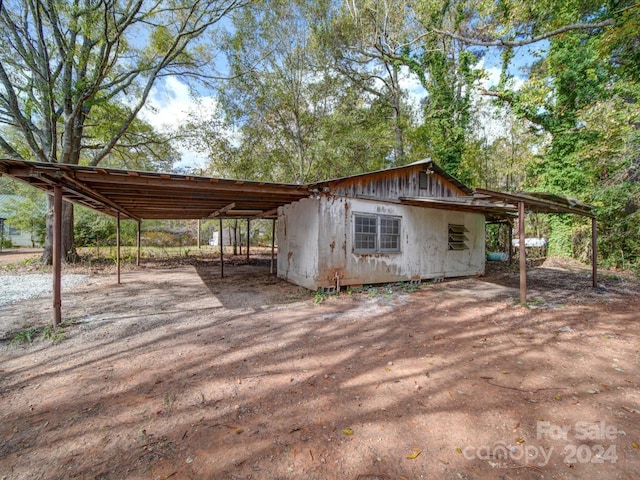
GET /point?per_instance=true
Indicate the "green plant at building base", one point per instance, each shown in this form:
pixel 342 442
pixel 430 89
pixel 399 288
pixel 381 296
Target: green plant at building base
pixel 319 297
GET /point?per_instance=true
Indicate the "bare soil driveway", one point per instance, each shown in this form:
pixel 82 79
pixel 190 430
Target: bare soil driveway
pixel 179 374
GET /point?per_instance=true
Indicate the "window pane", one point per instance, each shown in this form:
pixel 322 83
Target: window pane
pixel 365 233
pixel 389 234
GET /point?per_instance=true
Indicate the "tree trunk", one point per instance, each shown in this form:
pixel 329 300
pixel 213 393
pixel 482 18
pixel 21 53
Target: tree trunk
pixel 69 253
pixel 398 147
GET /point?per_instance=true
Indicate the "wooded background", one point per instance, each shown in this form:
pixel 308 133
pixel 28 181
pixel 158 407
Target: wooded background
pixel 507 95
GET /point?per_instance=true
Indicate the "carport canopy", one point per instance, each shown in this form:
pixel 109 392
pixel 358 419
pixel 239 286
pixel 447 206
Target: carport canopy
pixel 141 195
pixel 148 195
pixel 498 206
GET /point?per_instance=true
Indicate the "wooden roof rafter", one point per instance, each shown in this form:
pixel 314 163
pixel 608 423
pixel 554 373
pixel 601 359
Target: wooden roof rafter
pixel 223 210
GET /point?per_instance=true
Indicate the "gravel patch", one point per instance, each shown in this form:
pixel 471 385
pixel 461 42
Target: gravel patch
pixel 14 288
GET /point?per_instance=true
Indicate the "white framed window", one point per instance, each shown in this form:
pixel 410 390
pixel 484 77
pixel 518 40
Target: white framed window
pixel 376 233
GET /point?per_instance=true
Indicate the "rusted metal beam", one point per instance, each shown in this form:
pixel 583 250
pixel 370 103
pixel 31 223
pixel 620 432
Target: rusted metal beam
pixel 222 210
pixel 486 208
pixel 118 245
pixel 138 242
pixel 176 182
pixel 268 213
pixel 83 191
pixel 220 237
pixel 546 206
pixel 523 255
pixel 594 252
pixel 244 213
pixel 164 193
pixel 273 245
pixel 248 237
pixel 57 255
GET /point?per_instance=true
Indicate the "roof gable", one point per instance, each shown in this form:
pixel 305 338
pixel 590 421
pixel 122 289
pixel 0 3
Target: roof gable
pixel 420 179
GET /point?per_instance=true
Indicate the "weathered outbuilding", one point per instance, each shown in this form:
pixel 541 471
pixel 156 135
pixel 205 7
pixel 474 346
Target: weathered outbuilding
pixel 373 228
pixel 405 223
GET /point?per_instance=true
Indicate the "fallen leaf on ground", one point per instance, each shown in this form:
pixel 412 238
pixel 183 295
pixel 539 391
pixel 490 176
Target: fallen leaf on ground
pixel 347 431
pixel 414 454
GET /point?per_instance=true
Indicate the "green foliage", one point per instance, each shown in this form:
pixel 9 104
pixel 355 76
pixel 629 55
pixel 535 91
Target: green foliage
pixel 79 73
pixel 25 336
pixel 315 90
pixel 75 76
pixel 372 291
pixel 582 92
pixel 92 228
pixel 28 335
pixel 140 148
pixel 296 108
pixel 53 334
pixel 319 296
pixel 448 107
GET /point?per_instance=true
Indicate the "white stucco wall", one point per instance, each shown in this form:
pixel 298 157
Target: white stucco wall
pixel 298 242
pixel 315 240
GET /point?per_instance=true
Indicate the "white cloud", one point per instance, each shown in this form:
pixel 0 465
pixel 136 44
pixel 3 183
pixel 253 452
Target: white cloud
pixel 492 124
pixel 168 109
pixel 410 83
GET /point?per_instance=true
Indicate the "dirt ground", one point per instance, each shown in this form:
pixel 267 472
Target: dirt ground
pixel 180 374
pixel 17 255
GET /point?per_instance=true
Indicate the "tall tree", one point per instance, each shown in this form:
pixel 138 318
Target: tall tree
pixel 365 40
pixel 583 92
pixel 378 43
pixel 275 98
pixel 284 102
pixel 447 70
pixel 62 61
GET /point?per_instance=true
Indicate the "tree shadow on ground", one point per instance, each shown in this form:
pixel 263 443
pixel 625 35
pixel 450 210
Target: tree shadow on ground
pixel 446 382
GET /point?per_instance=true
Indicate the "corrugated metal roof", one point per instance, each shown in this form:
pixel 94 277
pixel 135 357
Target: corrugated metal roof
pixel 150 195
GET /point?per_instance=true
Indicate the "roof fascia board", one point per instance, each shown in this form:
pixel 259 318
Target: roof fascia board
pixel 193 183
pixel 551 207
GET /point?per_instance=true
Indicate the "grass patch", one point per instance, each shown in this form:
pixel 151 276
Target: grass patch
pixel 30 334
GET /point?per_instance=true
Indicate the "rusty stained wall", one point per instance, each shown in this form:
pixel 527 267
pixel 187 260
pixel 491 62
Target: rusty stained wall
pixel 312 255
pixel 392 184
pixel 298 242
